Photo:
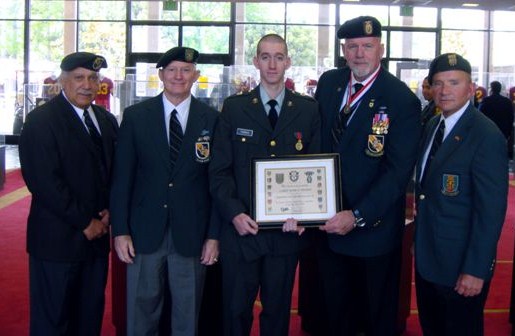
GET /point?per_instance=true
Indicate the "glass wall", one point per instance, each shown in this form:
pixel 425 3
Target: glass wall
pixel 34 39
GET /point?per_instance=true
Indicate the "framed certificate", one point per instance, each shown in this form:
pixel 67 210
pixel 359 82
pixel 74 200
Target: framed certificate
pixel 304 187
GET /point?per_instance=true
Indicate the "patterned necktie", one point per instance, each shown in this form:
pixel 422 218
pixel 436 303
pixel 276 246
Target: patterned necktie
pixel 272 114
pixel 97 140
pixel 437 142
pixel 175 137
pixel 342 118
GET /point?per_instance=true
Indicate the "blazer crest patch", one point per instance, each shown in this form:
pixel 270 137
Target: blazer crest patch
pixel 375 146
pixel 450 184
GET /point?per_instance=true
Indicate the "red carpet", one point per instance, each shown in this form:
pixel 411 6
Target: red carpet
pixel 14 205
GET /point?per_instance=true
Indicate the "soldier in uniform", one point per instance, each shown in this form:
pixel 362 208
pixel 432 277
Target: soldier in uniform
pixel 265 122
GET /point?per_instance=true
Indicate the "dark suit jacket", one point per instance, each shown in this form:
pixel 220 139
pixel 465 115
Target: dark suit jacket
pixel 146 192
pixel 461 208
pixel 375 185
pixel 63 172
pixel 500 110
pixel 243 133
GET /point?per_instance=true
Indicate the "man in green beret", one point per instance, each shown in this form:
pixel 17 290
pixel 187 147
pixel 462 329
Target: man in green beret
pixel 66 150
pixel 372 119
pixel 162 220
pixel 461 192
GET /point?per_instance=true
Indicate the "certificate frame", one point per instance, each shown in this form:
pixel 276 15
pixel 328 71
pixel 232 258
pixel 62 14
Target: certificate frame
pixel 305 187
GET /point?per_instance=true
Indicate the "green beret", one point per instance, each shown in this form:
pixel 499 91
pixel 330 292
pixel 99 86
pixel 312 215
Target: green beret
pixel 362 26
pixel 83 59
pixel 448 62
pixel 182 54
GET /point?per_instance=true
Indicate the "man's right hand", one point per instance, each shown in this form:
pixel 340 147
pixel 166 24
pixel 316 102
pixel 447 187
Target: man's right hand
pixel 124 248
pixel 95 229
pixel 245 225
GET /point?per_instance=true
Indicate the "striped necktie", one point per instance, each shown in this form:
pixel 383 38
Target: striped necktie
pixel 437 142
pixel 175 137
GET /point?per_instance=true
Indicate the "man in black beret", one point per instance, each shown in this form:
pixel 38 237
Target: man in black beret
pixel 462 189
pixel 372 119
pixel 66 148
pixel 162 219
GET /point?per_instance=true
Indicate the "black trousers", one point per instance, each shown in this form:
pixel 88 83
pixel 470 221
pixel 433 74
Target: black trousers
pixel 444 312
pixel 273 277
pixel 361 294
pixel 67 298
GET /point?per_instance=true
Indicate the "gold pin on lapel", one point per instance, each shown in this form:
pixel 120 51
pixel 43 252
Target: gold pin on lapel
pixel 290 103
pixel 457 138
pixel 254 101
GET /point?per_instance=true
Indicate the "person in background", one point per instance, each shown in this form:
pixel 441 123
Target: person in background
pixel 430 110
pixel 462 189
pixel 66 149
pixel 105 91
pixel 372 119
pixel 268 121
pixel 162 219
pixel 500 110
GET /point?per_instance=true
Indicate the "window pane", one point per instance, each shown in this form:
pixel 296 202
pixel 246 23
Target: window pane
pixel 469 44
pixel 102 10
pixel 247 38
pixel 260 12
pixel 47 46
pixel 464 18
pixel 153 10
pixel 412 45
pixel 206 11
pixel 348 12
pixel 311 46
pixel 209 40
pixel 503 21
pixel 11 9
pixel 154 38
pixel 503 62
pixel 310 13
pixel 11 76
pixel 106 39
pixel 53 9
pixel 422 17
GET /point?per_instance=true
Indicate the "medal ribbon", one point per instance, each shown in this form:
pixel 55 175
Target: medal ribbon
pixel 352 99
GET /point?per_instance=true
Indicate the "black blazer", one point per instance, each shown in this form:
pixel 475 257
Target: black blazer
pixel 244 132
pixel 63 172
pixel 373 184
pixel 146 192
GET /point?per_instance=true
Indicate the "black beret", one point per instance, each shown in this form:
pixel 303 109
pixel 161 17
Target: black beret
pixel 183 54
pixel 362 26
pixel 448 62
pixel 83 59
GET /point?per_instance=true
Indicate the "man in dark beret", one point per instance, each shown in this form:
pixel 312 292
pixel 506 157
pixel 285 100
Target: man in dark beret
pixel 162 220
pixel 461 192
pixel 66 150
pixel 372 119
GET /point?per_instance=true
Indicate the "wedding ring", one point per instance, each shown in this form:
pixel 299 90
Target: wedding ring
pixel 215 259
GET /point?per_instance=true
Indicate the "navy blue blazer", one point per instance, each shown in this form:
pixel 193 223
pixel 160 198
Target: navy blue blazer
pixel 147 194
pixel 374 178
pixel 244 132
pixel 461 207
pixel 62 170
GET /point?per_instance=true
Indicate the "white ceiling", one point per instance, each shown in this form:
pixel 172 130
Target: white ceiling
pixel 483 4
